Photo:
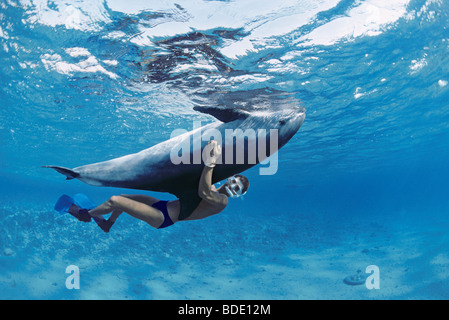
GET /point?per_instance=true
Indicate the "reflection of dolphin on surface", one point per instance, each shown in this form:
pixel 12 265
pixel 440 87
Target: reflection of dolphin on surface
pixel 153 169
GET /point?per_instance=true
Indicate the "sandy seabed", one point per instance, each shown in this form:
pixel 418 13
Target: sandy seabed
pixel 229 256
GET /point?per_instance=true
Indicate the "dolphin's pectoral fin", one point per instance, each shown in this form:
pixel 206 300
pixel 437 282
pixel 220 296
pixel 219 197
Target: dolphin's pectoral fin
pixel 222 114
pixel 69 173
pixel 189 201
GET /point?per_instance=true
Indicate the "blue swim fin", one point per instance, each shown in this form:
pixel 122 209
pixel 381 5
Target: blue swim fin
pixel 82 201
pixel 63 204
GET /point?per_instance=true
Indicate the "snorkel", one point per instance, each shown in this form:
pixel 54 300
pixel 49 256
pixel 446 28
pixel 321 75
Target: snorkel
pixel 234 187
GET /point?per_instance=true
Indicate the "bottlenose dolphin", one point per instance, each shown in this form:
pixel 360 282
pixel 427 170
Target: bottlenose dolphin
pixel 152 169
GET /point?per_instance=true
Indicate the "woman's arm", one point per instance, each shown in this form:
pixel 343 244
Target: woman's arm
pixel 211 153
pixel 205 189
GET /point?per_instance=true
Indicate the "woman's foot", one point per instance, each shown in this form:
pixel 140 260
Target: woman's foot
pixel 105 225
pixel 80 214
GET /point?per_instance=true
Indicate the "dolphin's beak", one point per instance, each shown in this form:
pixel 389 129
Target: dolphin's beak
pixel 298 118
pixel 302 117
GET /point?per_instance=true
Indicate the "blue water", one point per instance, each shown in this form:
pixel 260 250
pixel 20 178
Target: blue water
pixel 364 181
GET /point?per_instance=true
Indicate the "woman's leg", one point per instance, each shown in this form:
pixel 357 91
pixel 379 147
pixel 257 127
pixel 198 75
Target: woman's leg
pixel 106 225
pixel 114 215
pixel 131 205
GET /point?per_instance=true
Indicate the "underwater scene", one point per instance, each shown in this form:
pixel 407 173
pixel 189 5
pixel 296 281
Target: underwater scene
pixel 354 205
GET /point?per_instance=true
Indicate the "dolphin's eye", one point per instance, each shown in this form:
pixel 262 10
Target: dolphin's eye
pixel 281 122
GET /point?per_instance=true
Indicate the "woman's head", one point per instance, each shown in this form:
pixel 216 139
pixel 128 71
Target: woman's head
pixel 236 185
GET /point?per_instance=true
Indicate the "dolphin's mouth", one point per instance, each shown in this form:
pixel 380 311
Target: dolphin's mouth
pixel 302 115
pixel 296 116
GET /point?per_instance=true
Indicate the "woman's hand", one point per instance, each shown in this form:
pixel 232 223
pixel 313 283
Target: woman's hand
pixel 211 152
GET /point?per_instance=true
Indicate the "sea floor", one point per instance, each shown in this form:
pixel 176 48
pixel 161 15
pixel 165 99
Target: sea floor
pixel 235 255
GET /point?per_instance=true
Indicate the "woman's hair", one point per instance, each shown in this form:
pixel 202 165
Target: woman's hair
pixel 244 181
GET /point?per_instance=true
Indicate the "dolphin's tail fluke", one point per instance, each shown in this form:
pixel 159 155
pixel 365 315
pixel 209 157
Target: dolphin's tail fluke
pixel 69 173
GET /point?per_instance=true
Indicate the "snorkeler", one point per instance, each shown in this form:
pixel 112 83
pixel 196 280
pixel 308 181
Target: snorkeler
pixel 161 214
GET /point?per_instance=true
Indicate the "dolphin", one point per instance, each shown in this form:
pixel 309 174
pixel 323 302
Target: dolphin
pixel 153 169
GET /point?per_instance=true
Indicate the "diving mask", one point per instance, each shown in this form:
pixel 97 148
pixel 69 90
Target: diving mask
pixel 234 187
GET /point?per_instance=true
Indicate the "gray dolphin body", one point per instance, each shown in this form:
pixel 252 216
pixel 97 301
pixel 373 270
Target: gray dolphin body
pixel 152 169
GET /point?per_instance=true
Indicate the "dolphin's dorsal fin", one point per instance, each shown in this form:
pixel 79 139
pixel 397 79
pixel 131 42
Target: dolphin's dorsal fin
pixel 222 114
